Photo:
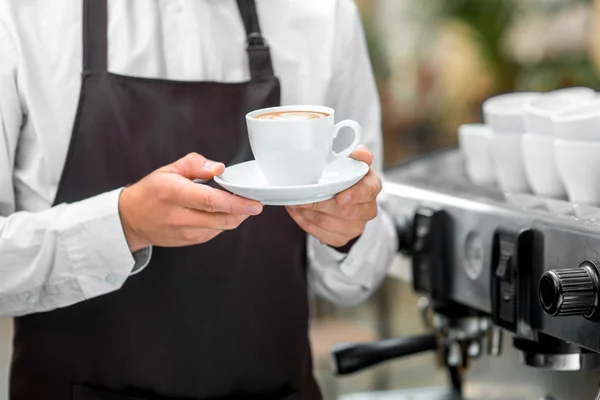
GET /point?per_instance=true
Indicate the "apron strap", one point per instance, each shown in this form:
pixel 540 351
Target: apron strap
pixel 259 56
pixel 95 41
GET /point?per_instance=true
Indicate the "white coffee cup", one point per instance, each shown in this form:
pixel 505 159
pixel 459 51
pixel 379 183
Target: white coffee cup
pixel 578 92
pixel 580 122
pixel 540 165
pixel 474 141
pixel 292 149
pixel 540 111
pixel 508 163
pixel 579 167
pixel 538 142
pixel 505 115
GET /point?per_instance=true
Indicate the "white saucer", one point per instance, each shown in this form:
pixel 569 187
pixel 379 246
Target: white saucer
pixel 246 180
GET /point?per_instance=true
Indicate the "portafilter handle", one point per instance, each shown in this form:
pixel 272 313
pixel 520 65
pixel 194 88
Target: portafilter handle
pixel 352 357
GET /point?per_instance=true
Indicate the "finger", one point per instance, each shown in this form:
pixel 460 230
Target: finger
pixel 327 207
pixel 364 191
pixel 329 223
pixel 205 198
pixel 362 153
pixel 329 238
pixel 188 219
pixel 223 222
pixel 195 166
pixel 353 212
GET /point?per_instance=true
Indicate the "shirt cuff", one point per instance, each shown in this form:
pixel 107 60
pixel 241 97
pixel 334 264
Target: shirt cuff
pixel 96 246
pixel 347 247
pixel 142 259
pixel 361 265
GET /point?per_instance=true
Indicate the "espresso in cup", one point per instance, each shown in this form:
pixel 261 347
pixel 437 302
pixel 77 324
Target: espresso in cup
pixel 300 114
pixel 293 144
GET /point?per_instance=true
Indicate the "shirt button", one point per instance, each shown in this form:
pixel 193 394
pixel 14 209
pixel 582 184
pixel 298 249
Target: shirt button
pixel 110 279
pixel 32 299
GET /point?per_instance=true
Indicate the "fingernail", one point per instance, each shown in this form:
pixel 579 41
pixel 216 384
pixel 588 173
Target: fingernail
pixel 362 146
pixel 346 200
pixel 253 209
pixel 211 165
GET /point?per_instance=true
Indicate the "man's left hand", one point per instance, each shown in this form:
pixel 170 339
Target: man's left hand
pixel 337 221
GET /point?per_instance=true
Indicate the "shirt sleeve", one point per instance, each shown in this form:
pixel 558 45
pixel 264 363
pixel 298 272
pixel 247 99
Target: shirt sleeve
pixel 63 255
pixel 349 279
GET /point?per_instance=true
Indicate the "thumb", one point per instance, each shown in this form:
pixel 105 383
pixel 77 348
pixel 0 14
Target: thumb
pixel 194 166
pixel 362 153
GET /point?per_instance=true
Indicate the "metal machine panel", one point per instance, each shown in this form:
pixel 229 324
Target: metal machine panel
pixel 568 235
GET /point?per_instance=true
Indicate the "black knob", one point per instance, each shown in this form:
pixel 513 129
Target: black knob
pixel 571 291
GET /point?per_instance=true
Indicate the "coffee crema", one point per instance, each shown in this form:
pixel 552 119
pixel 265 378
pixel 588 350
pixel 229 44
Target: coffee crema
pixel 291 115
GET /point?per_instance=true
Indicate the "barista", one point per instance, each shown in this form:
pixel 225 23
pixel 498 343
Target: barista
pixel 213 288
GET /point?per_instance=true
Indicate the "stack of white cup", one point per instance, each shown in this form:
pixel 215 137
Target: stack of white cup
pixel 545 143
pixel 538 144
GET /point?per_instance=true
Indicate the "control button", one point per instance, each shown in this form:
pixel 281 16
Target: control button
pixel 110 279
pixel 32 299
pixel 504 279
pixel 571 291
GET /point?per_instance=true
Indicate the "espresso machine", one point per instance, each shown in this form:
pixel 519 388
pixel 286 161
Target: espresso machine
pixel 510 286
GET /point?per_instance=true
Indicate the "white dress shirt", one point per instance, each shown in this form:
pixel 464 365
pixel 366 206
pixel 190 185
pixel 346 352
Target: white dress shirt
pixel 56 256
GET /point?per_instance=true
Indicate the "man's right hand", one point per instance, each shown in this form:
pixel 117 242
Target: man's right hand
pixel 166 208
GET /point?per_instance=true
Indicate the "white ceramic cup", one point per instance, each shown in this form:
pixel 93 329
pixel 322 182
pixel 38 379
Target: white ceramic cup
pixel 579 167
pixel 580 122
pixel 508 163
pixel 293 151
pixel 538 142
pixel 540 166
pixel 474 141
pixel 505 115
pixel 540 111
pixel 578 92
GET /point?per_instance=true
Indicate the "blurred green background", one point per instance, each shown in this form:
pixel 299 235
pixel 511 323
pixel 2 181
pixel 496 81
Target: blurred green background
pixel 435 62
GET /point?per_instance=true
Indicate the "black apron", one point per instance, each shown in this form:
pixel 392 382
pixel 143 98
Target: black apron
pixel 227 319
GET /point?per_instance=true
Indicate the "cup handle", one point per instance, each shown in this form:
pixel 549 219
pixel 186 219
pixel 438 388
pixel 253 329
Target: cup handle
pixel 357 138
